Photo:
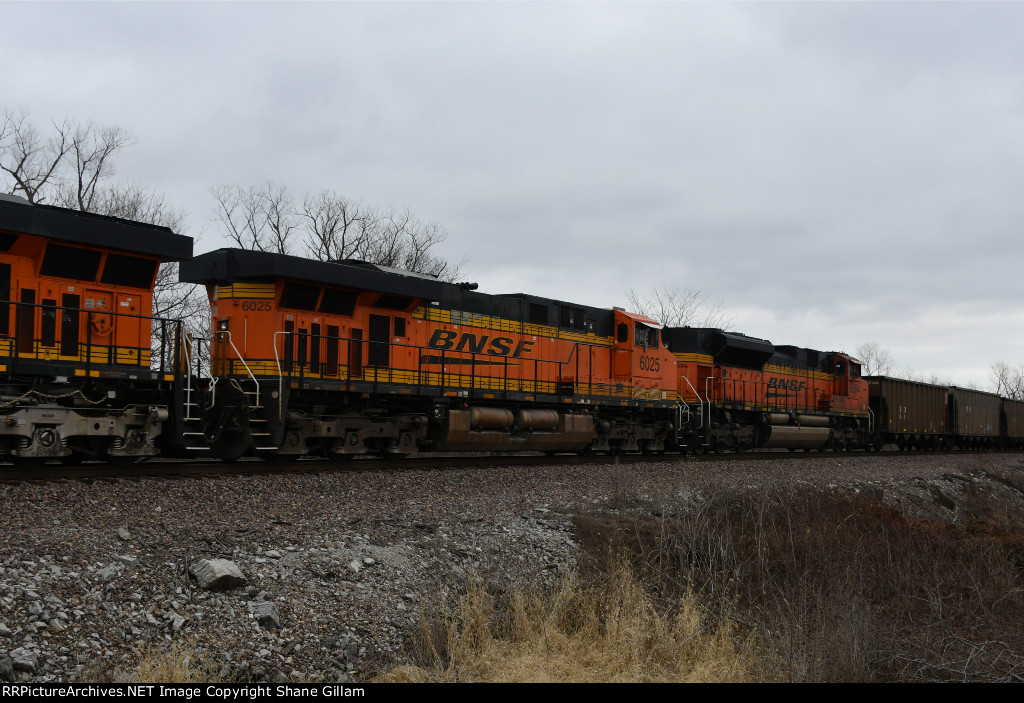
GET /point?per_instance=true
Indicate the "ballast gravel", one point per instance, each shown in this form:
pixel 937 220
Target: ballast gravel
pixel 332 568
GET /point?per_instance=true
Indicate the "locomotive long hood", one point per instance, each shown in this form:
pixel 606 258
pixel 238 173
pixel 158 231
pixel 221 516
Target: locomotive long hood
pixel 229 265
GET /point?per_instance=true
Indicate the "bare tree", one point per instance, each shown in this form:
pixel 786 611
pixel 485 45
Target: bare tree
pixel 91 155
pixel 336 226
pixel 332 228
pixel 262 219
pixel 673 307
pixel 875 360
pixel 931 378
pixel 1008 381
pixel 32 163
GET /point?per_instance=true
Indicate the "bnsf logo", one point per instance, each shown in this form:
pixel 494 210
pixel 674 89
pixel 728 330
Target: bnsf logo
pixel 499 346
pixel 783 384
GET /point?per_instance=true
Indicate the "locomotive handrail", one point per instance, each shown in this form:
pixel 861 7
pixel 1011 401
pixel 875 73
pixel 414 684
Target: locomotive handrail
pixel 37 338
pixel 700 401
pixel 280 377
pixel 186 344
pixel 245 365
pixel 193 345
pixel 707 394
pixel 449 376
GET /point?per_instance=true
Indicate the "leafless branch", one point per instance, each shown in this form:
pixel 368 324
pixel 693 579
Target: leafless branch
pixel 673 307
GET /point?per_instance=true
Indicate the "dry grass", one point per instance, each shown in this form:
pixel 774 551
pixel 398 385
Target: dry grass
pixel 174 663
pixel 598 633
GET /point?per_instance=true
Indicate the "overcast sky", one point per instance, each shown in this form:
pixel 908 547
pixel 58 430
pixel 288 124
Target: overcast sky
pixel 836 173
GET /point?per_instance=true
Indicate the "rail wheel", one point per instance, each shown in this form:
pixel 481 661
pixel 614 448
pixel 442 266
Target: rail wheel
pixel 334 454
pixel 230 447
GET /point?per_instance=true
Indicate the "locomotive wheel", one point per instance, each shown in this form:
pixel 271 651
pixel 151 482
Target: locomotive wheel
pixel 230 447
pixel 28 462
pixel 336 456
pixel 74 459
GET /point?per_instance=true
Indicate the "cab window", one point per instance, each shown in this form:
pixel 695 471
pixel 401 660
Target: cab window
pixel 645 336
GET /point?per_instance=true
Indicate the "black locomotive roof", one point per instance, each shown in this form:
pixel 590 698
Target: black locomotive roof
pixel 229 265
pixel 19 216
pixel 727 347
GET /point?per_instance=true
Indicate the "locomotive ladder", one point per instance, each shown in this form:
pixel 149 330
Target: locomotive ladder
pixel 703 419
pixel 192 418
pixel 254 403
pixel 193 435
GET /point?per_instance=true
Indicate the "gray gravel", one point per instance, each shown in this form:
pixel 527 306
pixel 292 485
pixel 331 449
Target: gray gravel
pixel 336 566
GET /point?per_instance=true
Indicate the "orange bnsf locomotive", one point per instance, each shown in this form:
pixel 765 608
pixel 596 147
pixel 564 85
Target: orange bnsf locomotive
pixel 351 358
pixel 750 393
pixel 87 372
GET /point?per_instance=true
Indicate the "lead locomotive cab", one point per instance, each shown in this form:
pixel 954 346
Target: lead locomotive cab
pixel 83 360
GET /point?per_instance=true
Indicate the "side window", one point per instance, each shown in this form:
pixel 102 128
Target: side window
pixel 623 332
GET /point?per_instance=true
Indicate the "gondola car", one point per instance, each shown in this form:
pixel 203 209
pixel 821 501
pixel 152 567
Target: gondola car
pixel 86 370
pixel 1012 419
pixel 925 416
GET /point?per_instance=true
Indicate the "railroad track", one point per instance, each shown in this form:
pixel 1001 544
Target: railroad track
pixel 185 468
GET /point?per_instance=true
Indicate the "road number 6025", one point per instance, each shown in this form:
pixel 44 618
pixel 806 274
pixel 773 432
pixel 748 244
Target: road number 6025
pixel 256 305
pixel 650 363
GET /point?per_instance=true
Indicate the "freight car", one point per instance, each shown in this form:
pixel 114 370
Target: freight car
pixel 86 370
pixel 1012 423
pixel 915 415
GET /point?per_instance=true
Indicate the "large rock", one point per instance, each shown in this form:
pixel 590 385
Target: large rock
pixel 266 614
pixel 217 574
pixel 24 659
